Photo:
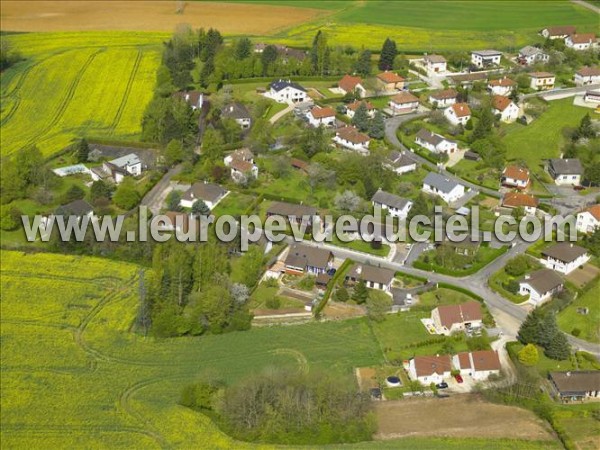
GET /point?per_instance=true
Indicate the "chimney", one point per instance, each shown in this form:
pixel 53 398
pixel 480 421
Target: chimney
pixel 569 373
pixel 527 277
pixel 231 108
pixel 359 270
pixel 571 245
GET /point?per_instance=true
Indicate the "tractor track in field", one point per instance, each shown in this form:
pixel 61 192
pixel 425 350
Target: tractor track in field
pixel 130 81
pixel 38 323
pixel 62 107
pixel 100 281
pixel 66 429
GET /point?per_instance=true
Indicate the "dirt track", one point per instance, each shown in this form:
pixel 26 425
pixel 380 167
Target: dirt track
pixel 457 416
pixel 142 15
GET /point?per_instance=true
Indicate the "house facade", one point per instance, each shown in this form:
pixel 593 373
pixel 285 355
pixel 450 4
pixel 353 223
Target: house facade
pixel 576 385
pixel 529 55
pixel 445 188
pixel 352 139
pixel 211 194
pixel 564 257
pixel 458 114
pixel 394 205
pixel 435 143
pixel 587 75
pixel 540 285
pixel 580 42
pixel 485 58
pixel 435 64
pixel 502 86
pixel 589 220
pixel 565 171
pixel 542 81
pixel 321 116
pixel 373 277
pixel 514 200
pixel 238 112
pixel 352 107
pixel 505 108
pixel 591 97
pixel 400 162
pixel 303 259
pixel 350 83
pixel 479 365
pixel 443 98
pixel 390 81
pixel 117 169
pixel 285 91
pixel 404 102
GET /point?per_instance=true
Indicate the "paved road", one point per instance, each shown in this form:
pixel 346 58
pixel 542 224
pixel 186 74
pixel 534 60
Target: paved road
pixel 155 197
pixel 587 5
pixel 562 93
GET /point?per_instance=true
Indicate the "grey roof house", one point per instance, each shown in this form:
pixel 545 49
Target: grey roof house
pixel 303 258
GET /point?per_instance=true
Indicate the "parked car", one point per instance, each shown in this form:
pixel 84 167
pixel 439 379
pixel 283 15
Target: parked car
pixel 442 385
pixel 459 379
pixel 331 272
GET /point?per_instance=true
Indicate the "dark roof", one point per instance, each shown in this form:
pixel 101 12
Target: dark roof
pixel 235 110
pixel 400 159
pixel 487 52
pixel 543 280
pixel 75 208
pixel 291 209
pixel 204 191
pixel 570 166
pixel 431 137
pixel 301 255
pixel 435 58
pixel 564 251
pixel 370 273
pixel 282 84
pixel 440 182
pixel 444 94
pixel 577 381
pixel 389 199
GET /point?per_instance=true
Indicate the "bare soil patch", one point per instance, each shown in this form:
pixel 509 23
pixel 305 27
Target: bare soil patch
pixel 457 416
pixel 142 15
pixel 337 310
pixel 367 378
pixel 582 276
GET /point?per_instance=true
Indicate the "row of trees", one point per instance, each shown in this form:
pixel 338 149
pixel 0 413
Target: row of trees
pixel 540 328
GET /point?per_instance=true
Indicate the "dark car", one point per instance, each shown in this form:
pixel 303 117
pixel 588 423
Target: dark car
pixel 442 385
pixel 331 272
pixel 459 379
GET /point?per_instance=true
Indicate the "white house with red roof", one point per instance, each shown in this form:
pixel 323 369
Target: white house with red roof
pixel 352 107
pixel 321 116
pixel 430 369
pixel 514 200
pixel 351 138
pixel 505 108
pixel 390 81
pixel 588 220
pixel 479 365
pixel 579 42
pixel 515 176
pixel 587 75
pixel 350 83
pixel 458 114
pixel 502 86
pixel 448 319
pixel 404 102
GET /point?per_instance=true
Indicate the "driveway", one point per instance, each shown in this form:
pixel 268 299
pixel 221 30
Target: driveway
pixel 156 196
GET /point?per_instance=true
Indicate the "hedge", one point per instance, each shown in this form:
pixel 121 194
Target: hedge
pixel 459 273
pixel 340 272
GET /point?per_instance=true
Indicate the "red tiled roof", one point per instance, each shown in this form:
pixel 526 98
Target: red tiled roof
pixel 390 77
pixel 583 38
pixel 320 113
pixel 502 82
pixel 348 82
pixel 516 173
pixel 354 105
pixel 444 94
pixel 518 199
pixel 461 109
pixel 428 365
pixel 500 102
pixel 404 97
pixel 564 30
pixel 465 312
pixel 594 211
pixel 541 75
pixel 351 134
pixel 241 166
pixel 485 360
pixel 589 71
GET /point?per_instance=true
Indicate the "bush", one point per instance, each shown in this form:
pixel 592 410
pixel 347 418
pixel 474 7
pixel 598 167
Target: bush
pixel 576 332
pixel 273 303
pixel 528 355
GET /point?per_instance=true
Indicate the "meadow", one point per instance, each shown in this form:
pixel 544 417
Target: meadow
pixel 74 375
pixel 71 86
pixel 587 324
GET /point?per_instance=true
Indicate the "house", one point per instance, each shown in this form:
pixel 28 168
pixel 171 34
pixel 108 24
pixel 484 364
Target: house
pixel 390 81
pixel 576 385
pixel 351 138
pixel 448 319
pixel 560 32
pixel 300 165
pixel 238 112
pixel 404 102
pixel 303 259
pixel 564 257
pixel 117 169
pixel 435 64
pixel 400 162
pixel 587 75
pixel 242 171
pixel 77 208
pixel 542 81
pixel 529 55
pixel 395 206
pixel 374 277
pixel 580 42
pixel 479 365
pixel 467 246
pixel 285 91
pixel 514 200
pixel 540 285
pixel 505 108
pixel 430 369
pixel 352 107
pixel 467 79
pixel 321 116
pixel 515 176
pixel 434 142
pixel 350 84
pixel 486 58
pixel 591 97
pixel 502 86
pixel 565 171
pixel 589 219
pixel 241 154
pixel 458 114
pixel 211 194
pixel 445 188
pixel 193 98
pixel 301 214
pixel 443 98
pixel 471 156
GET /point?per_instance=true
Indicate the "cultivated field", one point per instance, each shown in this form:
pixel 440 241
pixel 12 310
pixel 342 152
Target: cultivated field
pixel 70 87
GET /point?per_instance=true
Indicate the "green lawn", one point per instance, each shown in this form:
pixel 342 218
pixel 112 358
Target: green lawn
pixel 262 293
pixel 483 257
pixel 398 331
pixel 497 281
pixel 589 324
pixel 233 204
pixel 442 296
pixel 362 246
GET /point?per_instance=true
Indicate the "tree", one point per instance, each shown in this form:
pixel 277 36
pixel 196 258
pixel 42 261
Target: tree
pixel 75 192
pixel 388 55
pixel 361 117
pixel 319 54
pixel 377 130
pixel 585 129
pixel 100 189
pixel 378 304
pixel 82 151
pixel 126 196
pixel 528 355
pixel 174 201
pixel 592 173
pixel 558 348
pixel 485 125
pixel 529 332
pixel 243 48
pixel 517 266
pixel 363 65
pixel 347 201
pixel 173 153
pixel 341 294
pixel 10 218
pixel 199 208
pixel 420 207
pixel 212 145
pixel 360 293
pixel 548 330
pixel 492 150
pixel 314 141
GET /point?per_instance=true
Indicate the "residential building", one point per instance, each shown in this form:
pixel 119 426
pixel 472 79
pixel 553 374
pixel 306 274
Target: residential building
pixel 390 81
pixel 542 81
pixel 285 91
pixel 394 205
pixel 529 55
pixel 352 107
pixel 467 79
pixel 580 42
pixel 241 154
pixel 435 64
pixel 479 365
pixel 351 138
pixel 589 220
pixel 321 116
pixel 445 188
pixel 467 246
pixel 591 97
pixel 505 108
pixel 430 369
pixel 404 102
pixel 77 208
pixel 193 98
pixel 576 385
pixel 211 194
pixel 448 319
pixel 565 171
pixel 502 86
pixel 458 114
pixel 559 32
pixel 540 285
pixel 300 214
pixel 515 176
pixel 514 200
pixel 303 259
pixel 434 142
pixel 350 83
pixel 238 112
pixel 117 169
pixel 485 58
pixel 374 277
pixel 587 75
pixel 400 162
pixel 564 257
pixel 243 171
pixel 443 98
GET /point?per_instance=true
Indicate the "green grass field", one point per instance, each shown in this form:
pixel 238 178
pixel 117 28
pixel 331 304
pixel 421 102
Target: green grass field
pixel 76 85
pixel 588 324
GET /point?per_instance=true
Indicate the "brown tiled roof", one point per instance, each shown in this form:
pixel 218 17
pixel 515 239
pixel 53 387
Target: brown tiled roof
pixel 444 94
pixel 461 109
pixel 173 218
pixel 428 365
pixel 564 30
pixel 486 360
pixel 435 58
pixel 464 360
pixel 243 153
pixel 518 199
pixel 354 105
pixel 390 77
pixel 465 312
pixel 204 191
pixel 543 280
pixel 192 96
pixel 583 38
pixel 541 75
pixel 500 102
pixel 371 273
pixel 588 71
pixel 348 82
pixel 241 166
pixel 351 134
pixel 576 381
pixel 320 113
pixel 299 164
pixel 564 251
pixel 291 209
pixel 404 97
pixel 502 82
pixel 516 173
pixel 594 211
